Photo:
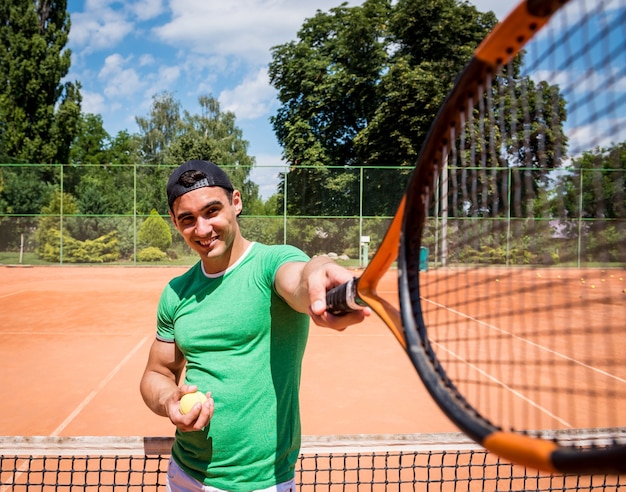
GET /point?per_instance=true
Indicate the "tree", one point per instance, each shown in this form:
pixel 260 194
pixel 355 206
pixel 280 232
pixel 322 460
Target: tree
pixel 432 41
pixel 327 86
pixel 361 86
pixel 90 144
pixel 105 167
pixel 515 163
pixel 159 128
pixel 39 113
pixel 593 192
pixel 167 140
pixel 157 131
pixel 213 135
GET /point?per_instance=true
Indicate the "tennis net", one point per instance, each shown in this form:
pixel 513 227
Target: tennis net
pixel 415 462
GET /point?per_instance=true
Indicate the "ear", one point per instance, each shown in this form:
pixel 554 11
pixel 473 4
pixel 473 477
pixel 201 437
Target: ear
pixel 237 202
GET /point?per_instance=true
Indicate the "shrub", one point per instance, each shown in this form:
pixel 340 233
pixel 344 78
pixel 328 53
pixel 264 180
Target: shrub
pixel 155 232
pixel 101 250
pixel 151 254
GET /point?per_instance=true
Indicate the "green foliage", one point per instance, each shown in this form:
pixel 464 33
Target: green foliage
pixel 159 128
pixel 101 250
pixel 601 173
pixel 151 254
pixel 24 191
pixel 48 230
pixel 327 82
pixel 264 230
pixel 48 236
pixel 155 232
pixel 40 113
pixel 213 135
pixel 361 86
pixel 90 144
pixel 168 139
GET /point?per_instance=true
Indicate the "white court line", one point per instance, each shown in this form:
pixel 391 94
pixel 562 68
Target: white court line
pixel 12 294
pixel 534 344
pixel 508 388
pixel 99 388
pixel 24 466
pixel 524 340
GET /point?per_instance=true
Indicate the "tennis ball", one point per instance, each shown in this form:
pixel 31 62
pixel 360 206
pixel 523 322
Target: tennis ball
pixel 188 401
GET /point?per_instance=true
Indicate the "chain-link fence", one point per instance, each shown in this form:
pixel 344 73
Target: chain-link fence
pixel 117 214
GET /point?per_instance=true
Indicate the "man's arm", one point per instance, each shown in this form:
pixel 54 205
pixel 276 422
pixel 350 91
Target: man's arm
pixel 303 285
pixel 159 388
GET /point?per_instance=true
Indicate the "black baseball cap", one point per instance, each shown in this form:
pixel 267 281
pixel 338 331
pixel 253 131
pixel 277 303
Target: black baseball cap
pixel 213 176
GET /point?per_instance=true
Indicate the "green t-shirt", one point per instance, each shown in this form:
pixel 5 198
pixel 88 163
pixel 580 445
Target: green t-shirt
pixel 243 343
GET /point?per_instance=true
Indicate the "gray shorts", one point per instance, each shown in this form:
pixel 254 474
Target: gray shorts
pixel 179 481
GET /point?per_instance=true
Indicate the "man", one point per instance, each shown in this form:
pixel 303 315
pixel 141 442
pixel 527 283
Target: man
pixel 236 326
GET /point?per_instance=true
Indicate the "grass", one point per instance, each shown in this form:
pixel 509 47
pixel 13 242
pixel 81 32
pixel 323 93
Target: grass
pixel 10 258
pixel 13 258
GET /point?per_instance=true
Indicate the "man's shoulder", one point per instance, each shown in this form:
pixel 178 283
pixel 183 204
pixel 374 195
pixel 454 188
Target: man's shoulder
pixel 279 249
pixel 185 278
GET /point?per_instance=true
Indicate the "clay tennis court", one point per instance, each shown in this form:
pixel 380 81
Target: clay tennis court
pixel 74 341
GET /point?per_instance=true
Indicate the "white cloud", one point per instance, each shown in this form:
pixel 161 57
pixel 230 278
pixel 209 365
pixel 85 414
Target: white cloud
pixel 164 79
pixel 146 60
pixel 237 28
pixel 104 24
pixel 251 99
pixel 146 9
pixel 95 30
pixel 93 102
pixel 218 48
pixel 119 81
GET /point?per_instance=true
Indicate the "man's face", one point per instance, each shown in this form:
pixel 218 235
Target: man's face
pixel 207 220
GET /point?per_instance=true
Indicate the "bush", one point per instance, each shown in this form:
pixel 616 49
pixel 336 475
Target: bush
pixel 151 254
pixel 47 235
pixel 101 250
pixel 155 232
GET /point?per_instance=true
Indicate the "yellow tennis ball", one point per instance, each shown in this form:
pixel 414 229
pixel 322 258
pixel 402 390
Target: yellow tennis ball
pixel 188 401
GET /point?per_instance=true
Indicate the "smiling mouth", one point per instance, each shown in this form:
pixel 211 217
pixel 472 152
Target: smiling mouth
pixel 208 242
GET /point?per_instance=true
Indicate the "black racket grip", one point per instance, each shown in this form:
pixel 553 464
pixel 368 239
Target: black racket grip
pixel 344 298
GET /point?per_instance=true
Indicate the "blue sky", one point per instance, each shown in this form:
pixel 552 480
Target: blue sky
pixel 125 52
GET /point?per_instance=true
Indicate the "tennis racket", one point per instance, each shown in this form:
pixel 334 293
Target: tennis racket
pixel 517 325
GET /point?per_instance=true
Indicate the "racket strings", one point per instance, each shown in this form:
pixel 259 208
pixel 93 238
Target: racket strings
pixel 524 304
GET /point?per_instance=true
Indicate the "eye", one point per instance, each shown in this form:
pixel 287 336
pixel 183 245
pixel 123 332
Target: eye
pixel 187 221
pixel 213 210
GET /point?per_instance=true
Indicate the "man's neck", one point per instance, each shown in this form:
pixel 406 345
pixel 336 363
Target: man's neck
pixel 213 266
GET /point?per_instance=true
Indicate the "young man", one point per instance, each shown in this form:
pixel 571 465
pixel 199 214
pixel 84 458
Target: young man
pixel 236 325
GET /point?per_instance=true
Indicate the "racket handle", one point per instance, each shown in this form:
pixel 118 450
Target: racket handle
pixel 344 298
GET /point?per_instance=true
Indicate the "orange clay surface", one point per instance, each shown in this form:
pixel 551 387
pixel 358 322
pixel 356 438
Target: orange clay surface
pixel 74 342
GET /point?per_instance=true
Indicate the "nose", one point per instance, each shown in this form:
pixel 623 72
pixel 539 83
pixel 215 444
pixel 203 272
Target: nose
pixel 203 226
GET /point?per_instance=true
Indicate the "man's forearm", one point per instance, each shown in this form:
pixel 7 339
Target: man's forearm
pixel 156 390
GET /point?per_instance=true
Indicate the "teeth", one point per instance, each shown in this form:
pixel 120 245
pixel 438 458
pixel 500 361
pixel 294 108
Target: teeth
pixel 208 243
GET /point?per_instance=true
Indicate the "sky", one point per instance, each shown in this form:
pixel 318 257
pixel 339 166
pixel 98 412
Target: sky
pixel 126 52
